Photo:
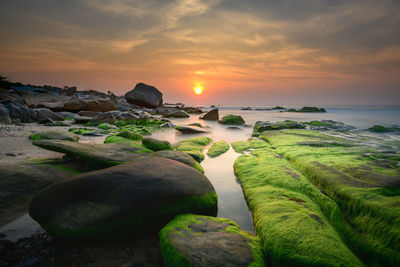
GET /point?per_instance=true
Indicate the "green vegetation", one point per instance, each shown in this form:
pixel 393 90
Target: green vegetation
pixel 178 156
pixel 130 135
pixel 232 119
pixel 217 149
pixel 156 145
pixel 81 130
pixel 120 139
pixel 291 216
pixel 194 147
pixel 54 135
pixel 56 163
pixel 181 225
pixel 242 146
pixel 307 109
pixel 363 182
pixel 381 129
pixel 106 126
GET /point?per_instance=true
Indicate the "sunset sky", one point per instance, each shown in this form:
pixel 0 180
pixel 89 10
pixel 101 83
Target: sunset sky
pixel 242 52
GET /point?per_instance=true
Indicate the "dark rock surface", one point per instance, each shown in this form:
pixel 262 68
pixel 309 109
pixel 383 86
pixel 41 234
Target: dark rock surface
pixel 4 114
pixel 212 115
pixel 45 113
pixel 131 198
pixel 19 112
pixel 178 156
pixel 190 129
pixel 144 95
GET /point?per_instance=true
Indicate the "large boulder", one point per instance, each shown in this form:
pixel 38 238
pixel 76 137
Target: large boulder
pixel 115 203
pixel 4 114
pixel 232 119
pixel 19 112
pixel 178 156
pixel 45 113
pixel 212 115
pixel 193 240
pixel 144 95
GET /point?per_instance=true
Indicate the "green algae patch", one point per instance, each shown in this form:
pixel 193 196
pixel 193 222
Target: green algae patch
pixel 243 146
pixel 130 135
pixel 232 119
pixel 194 147
pixel 381 129
pixel 364 183
pixel 81 130
pixel 293 219
pixel 195 240
pixel 106 126
pixel 56 163
pixel 217 149
pixel 54 135
pixel 178 156
pixel 156 145
pixel 119 139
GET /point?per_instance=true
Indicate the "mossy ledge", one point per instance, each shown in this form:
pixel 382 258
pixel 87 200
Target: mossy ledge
pixel 217 149
pixel 184 226
pixel 194 147
pixel 291 217
pixel 363 182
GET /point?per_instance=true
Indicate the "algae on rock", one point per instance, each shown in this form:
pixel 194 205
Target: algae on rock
pixel 194 147
pixel 218 148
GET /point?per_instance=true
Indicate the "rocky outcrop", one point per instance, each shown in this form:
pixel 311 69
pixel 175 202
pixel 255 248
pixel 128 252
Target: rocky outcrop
pixel 178 156
pixel 212 115
pixel 193 240
pixel 76 105
pixel 118 202
pixel 232 119
pixel 45 113
pixel 145 95
pixel 177 114
pixel 190 129
pixel 19 112
pixel 4 114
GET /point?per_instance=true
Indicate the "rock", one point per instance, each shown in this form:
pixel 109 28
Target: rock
pixel 70 91
pixel 247 108
pixel 130 135
pixel 260 126
pixel 44 121
pixel 232 119
pixel 76 105
pixel 19 112
pixel 194 147
pixel 4 114
pixel 55 135
pixel 96 155
pixel 156 145
pixel 87 113
pixel 307 109
pixel 192 110
pixel 144 95
pixel 177 114
pixel 193 240
pixel 196 124
pixel 278 108
pixel 82 119
pixel 178 156
pixel 325 125
pixel 67 115
pixel 212 115
pixel 218 148
pixel 165 110
pixel 55 123
pixel 107 126
pixel 383 129
pixel 45 113
pixel 20 182
pixel 95 134
pixel 190 129
pixel 233 128
pixel 138 197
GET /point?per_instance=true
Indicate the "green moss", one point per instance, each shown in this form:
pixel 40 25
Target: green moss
pixel 194 147
pixel 120 139
pixel 156 145
pixel 318 123
pixel 232 119
pixel 81 130
pixel 130 135
pixel 56 163
pixel 240 146
pixel 292 217
pixel 92 123
pixel 380 129
pixel 218 148
pixel 106 126
pixel 180 225
pixel 54 135
pixel 362 181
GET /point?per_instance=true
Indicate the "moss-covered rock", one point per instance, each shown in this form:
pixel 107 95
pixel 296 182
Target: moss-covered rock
pixel 193 240
pixel 260 126
pixel 138 197
pixel 156 145
pixel 307 109
pixel 130 135
pixel 242 146
pixel 232 119
pixel 139 148
pixel 218 148
pixel 291 216
pixel 55 135
pixel 190 129
pixel 194 147
pixel 178 156
pixel 364 183
pixel 106 126
pixel 382 129
pixel 81 130
pixel 95 155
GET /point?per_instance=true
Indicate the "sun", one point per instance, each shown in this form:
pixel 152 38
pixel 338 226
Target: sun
pixel 198 89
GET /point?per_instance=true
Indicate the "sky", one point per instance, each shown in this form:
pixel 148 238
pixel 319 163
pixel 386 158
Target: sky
pixel 254 52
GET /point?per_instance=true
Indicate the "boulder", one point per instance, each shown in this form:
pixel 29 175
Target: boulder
pixel 177 114
pixel 19 112
pixel 232 119
pixel 4 114
pixel 192 110
pixel 156 145
pixel 45 113
pixel 70 91
pixel 190 129
pixel 165 110
pixel 193 240
pixel 178 156
pixel 88 113
pixel 82 119
pixel 212 115
pixel 96 155
pixel 138 197
pixel 144 95
pixel 55 135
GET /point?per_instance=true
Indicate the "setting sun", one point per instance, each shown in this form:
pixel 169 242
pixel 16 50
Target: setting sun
pixel 198 89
